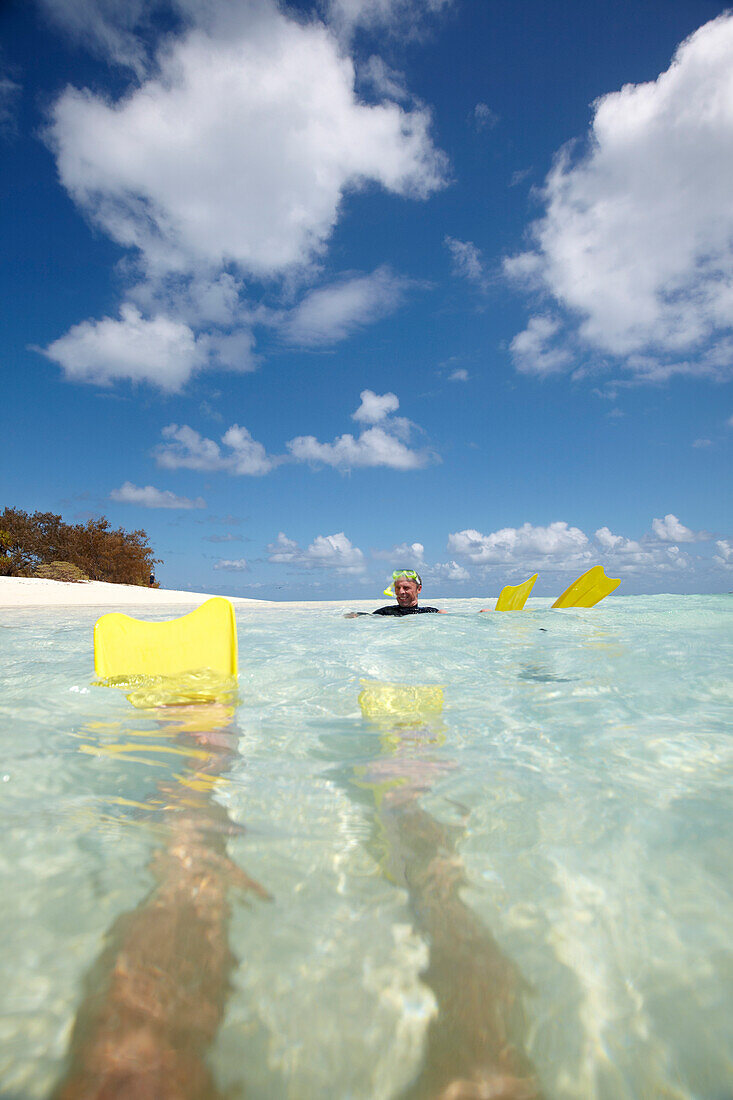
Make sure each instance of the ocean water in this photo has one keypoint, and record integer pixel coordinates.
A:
(528, 889)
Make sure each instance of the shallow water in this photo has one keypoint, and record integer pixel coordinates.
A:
(575, 791)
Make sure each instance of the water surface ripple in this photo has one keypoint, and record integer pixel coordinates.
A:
(564, 823)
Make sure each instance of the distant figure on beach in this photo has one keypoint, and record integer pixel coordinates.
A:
(407, 587)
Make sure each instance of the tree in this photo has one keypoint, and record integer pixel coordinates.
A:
(100, 551)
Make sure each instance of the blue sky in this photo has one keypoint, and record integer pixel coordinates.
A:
(312, 291)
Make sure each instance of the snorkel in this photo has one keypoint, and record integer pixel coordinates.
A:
(407, 574)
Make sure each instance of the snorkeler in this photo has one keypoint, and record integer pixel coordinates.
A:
(407, 587)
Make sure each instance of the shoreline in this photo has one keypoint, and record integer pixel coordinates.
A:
(28, 593)
(20, 592)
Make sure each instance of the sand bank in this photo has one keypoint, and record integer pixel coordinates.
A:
(33, 592)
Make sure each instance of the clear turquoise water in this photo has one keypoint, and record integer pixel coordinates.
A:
(583, 761)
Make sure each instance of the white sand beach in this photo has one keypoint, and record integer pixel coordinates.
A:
(34, 592)
(29, 592)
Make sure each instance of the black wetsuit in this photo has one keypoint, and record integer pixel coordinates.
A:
(395, 609)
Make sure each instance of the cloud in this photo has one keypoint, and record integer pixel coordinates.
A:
(375, 407)
(466, 261)
(724, 556)
(557, 543)
(325, 552)
(374, 447)
(625, 555)
(459, 375)
(201, 298)
(533, 351)
(186, 449)
(409, 554)
(149, 497)
(237, 147)
(159, 350)
(386, 82)
(223, 538)
(670, 529)
(238, 565)
(519, 176)
(105, 27)
(226, 161)
(448, 571)
(404, 16)
(635, 246)
(617, 543)
(9, 96)
(484, 118)
(700, 444)
(331, 313)
(560, 547)
(385, 443)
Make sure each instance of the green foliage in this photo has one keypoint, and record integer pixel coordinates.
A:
(60, 571)
(99, 551)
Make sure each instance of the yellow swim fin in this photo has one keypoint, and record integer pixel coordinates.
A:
(204, 639)
(513, 597)
(588, 590)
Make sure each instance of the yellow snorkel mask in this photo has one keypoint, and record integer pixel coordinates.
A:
(409, 574)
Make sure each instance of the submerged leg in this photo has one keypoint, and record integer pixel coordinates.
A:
(473, 1048)
(155, 998)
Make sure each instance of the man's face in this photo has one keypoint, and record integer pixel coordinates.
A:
(406, 592)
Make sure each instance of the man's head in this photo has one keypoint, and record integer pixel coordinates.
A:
(407, 586)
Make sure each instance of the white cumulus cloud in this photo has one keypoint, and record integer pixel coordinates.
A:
(232, 565)
(537, 350)
(385, 443)
(409, 554)
(147, 496)
(185, 448)
(724, 556)
(225, 160)
(160, 350)
(448, 571)
(375, 406)
(374, 447)
(670, 529)
(325, 552)
(557, 543)
(635, 246)
(238, 146)
(625, 555)
(617, 543)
